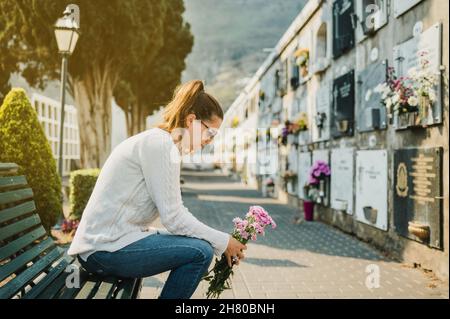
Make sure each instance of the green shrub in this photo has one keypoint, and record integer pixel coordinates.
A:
(82, 183)
(23, 141)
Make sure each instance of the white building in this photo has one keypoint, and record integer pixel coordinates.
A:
(49, 115)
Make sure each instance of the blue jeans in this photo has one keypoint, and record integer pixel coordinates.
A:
(187, 258)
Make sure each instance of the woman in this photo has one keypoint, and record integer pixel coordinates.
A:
(140, 180)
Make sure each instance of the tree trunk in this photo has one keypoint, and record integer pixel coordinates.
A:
(93, 96)
(136, 119)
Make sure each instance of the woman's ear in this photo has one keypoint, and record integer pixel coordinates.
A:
(190, 120)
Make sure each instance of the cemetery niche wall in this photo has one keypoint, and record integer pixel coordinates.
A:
(324, 186)
(342, 184)
(372, 113)
(371, 188)
(320, 128)
(343, 113)
(418, 195)
(421, 57)
(304, 166)
(402, 6)
(343, 28)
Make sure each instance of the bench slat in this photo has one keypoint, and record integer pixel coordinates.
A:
(17, 211)
(12, 181)
(16, 195)
(49, 279)
(89, 289)
(128, 289)
(21, 242)
(52, 290)
(106, 289)
(70, 293)
(22, 280)
(15, 264)
(19, 226)
(8, 167)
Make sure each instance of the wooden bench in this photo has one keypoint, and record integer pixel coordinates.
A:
(32, 266)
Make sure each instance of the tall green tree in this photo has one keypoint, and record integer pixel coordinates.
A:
(23, 141)
(149, 84)
(116, 37)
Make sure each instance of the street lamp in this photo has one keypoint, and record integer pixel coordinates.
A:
(67, 32)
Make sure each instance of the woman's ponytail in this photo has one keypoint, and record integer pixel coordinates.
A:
(190, 98)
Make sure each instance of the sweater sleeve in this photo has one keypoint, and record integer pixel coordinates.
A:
(160, 161)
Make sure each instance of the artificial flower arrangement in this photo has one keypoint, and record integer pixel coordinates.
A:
(414, 93)
(262, 95)
(285, 132)
(289, 175)
(235, 122)
(269, 182)
(302, 60)
(254, 224)
(301, 124)
(315, 188)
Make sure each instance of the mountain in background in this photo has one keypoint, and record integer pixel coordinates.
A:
(229, 38)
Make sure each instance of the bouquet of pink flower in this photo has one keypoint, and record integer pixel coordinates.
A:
(319, 170)
(254, 224)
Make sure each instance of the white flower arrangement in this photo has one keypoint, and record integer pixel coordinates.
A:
(407, 94)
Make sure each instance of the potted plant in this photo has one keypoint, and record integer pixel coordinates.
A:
(310, 192)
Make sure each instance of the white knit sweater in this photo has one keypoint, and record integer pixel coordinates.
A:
(140, 178)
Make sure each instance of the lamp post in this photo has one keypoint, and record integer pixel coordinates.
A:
(67, 32)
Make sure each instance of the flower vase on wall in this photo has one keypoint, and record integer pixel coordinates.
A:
(424, 109)
(322, 188)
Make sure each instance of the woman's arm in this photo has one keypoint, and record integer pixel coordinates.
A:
(160, 162)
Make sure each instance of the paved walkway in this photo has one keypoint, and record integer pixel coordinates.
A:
(306, 260)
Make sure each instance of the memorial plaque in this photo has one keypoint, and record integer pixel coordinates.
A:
(292, 165)
(343, 32)
(372, 113)
(402, 6)
(371, 188)
(293, 159)
(321, 118)
(342, 179)
(408, 55)
(321, 155)
(418, 195)
(267, 159)
(343, 105)
(304, 137)
(304, 166)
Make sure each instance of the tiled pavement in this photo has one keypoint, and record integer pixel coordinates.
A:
(306, 260)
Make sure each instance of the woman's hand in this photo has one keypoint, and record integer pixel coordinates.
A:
(234, 249)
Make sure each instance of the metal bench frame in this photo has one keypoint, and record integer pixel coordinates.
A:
(32, 266)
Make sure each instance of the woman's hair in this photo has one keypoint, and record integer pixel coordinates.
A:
(190, 98)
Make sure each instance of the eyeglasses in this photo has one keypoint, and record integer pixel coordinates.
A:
(212, 132)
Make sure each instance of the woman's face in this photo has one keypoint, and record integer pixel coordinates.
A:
(201, 132)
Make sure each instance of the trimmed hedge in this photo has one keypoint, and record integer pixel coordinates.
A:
(23, 141)
(82, 184)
